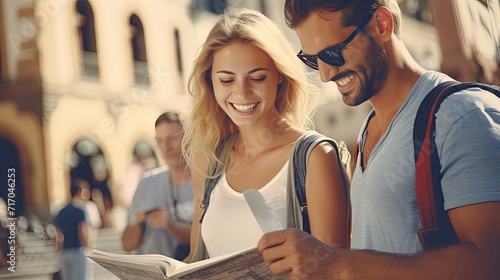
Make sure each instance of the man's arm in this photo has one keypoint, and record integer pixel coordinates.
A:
(83, 233)
(59, 239)
(300, 256)
(181, 231)
(132, 235)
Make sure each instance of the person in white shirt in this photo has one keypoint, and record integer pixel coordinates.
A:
(249, 91)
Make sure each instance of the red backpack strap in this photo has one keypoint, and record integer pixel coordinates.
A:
(437, 230)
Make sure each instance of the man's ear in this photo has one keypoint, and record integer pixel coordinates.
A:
(384, 24)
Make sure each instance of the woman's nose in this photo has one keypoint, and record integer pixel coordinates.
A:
(242, 88)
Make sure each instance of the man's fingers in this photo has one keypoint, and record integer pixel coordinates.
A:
(271, 254)
(138, 218)
(289, 265)
(158, 210)
(159, 218)
(275, 238)
(276, 251)
(161, 214)
(295, 265)
(294, 254)
(277, 260)
(270, 239)
(279, 268)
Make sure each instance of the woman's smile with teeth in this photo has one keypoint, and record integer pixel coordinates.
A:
(244, 107)
(345, 80)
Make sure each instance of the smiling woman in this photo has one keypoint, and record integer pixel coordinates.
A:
(251, 97)
(245, 88)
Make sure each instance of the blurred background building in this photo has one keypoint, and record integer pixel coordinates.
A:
(82, 81)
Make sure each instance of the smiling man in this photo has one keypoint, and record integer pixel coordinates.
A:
(159, 218)
(357, 45)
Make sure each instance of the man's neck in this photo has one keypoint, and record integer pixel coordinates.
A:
(403, 74)
(180, 174)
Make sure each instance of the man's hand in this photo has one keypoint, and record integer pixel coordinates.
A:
(296, 254)
(138, 218)
(159, 218)
(132, 235)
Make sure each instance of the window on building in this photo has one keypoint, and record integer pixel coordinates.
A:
(139, 51)
(87, 162)
(3, 57)
(178, 52)
(88, 46)
(12, 173)
(144, 154)
(217, 6)
(1, 61)
(263, 7)
(417, 9)
(214, 6)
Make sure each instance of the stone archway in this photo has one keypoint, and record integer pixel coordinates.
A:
(11, 178)
(88, 162)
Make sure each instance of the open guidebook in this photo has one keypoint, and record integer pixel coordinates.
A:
(246, 264)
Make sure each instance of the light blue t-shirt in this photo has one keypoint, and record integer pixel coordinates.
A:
(384, 205)
(154, 191)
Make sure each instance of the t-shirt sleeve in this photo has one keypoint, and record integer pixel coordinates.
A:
(470, 153)
(81, 217)
(147, 196)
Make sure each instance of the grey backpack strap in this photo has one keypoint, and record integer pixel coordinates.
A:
(223, 153)
(200, 251)
(301, 154)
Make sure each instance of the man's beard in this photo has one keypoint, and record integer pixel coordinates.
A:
(373, 74)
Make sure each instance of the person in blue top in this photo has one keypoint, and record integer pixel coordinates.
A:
(357, 45)
(72, 234)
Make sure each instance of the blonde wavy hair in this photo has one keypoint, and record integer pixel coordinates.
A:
(207, 125)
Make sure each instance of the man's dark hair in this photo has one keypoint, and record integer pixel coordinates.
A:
(77, 184)
(354, 11)
(170, 117)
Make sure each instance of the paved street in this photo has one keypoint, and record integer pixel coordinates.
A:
(37, 258)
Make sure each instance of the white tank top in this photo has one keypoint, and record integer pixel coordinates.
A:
(229, 225)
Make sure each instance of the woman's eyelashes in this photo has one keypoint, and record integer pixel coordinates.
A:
(223, 81)
(256, 79)
(259, 79)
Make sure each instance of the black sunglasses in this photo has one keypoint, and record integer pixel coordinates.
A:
(333, 55)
